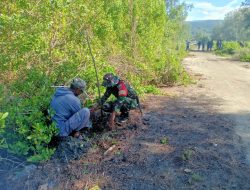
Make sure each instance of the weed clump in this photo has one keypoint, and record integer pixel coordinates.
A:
(187, 154)
(164, 140)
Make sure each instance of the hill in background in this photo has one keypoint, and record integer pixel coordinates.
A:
(203, 26)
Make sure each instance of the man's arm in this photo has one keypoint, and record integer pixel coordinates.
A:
(75, 105)
(103, 99)
(105, 96)
(111, 122)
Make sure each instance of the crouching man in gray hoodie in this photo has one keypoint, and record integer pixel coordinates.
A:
(69, 115)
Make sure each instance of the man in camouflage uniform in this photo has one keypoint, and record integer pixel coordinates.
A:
(126, 98)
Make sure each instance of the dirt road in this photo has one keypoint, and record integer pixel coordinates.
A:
(229, 81)
(195, 137)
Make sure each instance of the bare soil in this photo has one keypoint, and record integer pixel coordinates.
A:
(194, 137)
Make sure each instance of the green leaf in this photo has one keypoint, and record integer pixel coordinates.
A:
(5, 115)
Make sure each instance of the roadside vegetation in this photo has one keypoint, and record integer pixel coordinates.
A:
(236, 50)
(44, 43)
(235, 31)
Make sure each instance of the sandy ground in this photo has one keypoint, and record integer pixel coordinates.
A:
(230, 81)
(195, 137)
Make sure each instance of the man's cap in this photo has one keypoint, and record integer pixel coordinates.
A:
(78, 83)
(110, 80)
(108, 76)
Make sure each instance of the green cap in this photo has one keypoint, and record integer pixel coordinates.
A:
(78, 83)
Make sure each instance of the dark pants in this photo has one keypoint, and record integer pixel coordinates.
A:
(109, 107)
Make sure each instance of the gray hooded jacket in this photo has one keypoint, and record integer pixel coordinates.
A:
(65, 104)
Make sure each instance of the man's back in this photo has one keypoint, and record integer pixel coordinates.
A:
(65, 104)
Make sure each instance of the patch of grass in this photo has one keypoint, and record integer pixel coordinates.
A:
(96, 187)
(85, 169)
(195, 178)
(118, 153)
(95, 146)
(72, 177)
(187, 154)
(164, 140)
(106, 137)
(186, 79)
(244, 55)
(238, 52)
(114, 142)
(113, 134)
(151, 89)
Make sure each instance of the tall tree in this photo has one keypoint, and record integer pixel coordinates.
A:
(246, 3)
(236, 26)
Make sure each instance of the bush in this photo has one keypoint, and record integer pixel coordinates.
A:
(244, 55)
(27, 132)
(46, 45)
(229, 48)
(234, 48)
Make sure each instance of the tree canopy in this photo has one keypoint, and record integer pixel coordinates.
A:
(236, 26)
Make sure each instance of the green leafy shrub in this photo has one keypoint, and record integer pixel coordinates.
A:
(187, 154)
(195, 178)
(234, 48)
(151, 89)
(27, 132)
(164, 140)
(244, 55)
(44, 44)
(229, 48)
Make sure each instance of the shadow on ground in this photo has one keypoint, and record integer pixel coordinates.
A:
(183, 143)
(202, 152)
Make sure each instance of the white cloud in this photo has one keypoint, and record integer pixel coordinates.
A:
(207, 11)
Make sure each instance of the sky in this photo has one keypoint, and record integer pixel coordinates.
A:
(211, 9)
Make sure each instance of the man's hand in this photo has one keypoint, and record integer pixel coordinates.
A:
(93, 109)
(111, 122)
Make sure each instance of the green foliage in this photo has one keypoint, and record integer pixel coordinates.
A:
(234, 48)
(187, 154)
(202, 29)
(185, 78)
(235, 27)
(229, 48)
(43, 155)
(151, 89)
(244, 55)
(43, 43)
(164, 140)
(195, 178)
(3, 117)
(19, 148)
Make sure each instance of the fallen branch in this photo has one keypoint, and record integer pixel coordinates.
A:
(109, 150)
(9, 160)
(17, 163)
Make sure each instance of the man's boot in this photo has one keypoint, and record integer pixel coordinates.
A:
(123, 117)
